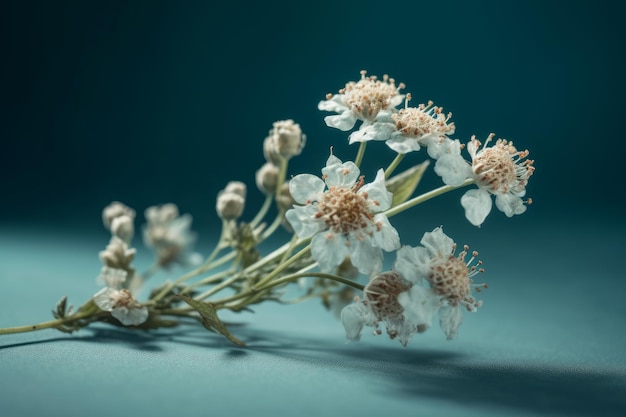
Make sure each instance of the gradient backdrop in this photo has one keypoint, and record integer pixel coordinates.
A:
(149, 102)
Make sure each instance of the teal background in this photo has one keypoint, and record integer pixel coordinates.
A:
(149, 102)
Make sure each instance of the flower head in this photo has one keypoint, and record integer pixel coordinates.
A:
(169, 235)
(447, 275)
(499, 170)
(122, 305)
(231, 201)
(343, 216)
(408, 129)
(361, 100)
(404, 308)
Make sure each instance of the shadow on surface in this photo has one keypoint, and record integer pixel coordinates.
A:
(405, 373)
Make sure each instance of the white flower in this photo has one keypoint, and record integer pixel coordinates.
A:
(409, 129)
(449, 277)
(500, 170)
(122, 305)
(170, 236)
(343, 216)
(361, 100)
(388, 298)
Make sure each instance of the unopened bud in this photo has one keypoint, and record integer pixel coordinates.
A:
(267, 178)
(285, 140)
(236, 187)
(116, 209)
(161, 214)
(229, 205)
(284, 199)
(123, 227)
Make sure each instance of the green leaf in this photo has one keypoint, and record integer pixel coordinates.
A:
(404, 184)
(209, 318)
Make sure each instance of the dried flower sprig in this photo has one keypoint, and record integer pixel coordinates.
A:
(339, 226)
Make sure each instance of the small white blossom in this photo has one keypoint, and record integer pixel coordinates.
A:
(499, 170)
(123, 227)
(343, 216)
(362, 100)
(408, 129)
(404, 308)
(170, 236)
(449, 278)
(122, 305)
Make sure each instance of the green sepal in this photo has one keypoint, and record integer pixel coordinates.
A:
(209, 318)
(404, 184)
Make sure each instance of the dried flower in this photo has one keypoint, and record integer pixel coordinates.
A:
(267, 178)
(118, 255)
(114, 210)
(170, 236)
(285, 140)
(361, 100)
(343, 216)
(500, 170)
(122, 305)
(447, 275)
(407, 130)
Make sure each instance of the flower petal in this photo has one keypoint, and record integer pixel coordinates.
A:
(366, 257)
(335, 104)
(130, 316)
(354, 317)
(329, 250)
(450, 318)
(403, 144)
(305, 187)
(303, 221)
(377, 193)
(413, 263)
(437, 243)
(104, 300)
(373, 131)
(452, 169)
(477, 205)
(344, 121)
(420, 305)
(510, 204)
(387, 237)
(342, 174)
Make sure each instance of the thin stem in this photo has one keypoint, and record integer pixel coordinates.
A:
(208, 280)
(286, 279)
(424, 197)
(394, 164)
(284, 265)
(272, 228)
(262, 211)
(360, 153)
(52, 324)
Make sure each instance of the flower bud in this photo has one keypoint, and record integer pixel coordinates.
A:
(285, 140)
(236, 187)
(284, 199)
(116, 209)
(123, 227)
(229, 205)
(161, 214)
(267, 178)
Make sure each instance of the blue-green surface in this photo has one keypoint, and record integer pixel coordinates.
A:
(547, 342)
(150, 102)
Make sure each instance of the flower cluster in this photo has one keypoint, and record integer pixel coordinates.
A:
(339, 227)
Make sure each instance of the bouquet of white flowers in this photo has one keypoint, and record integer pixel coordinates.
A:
(339, 225)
